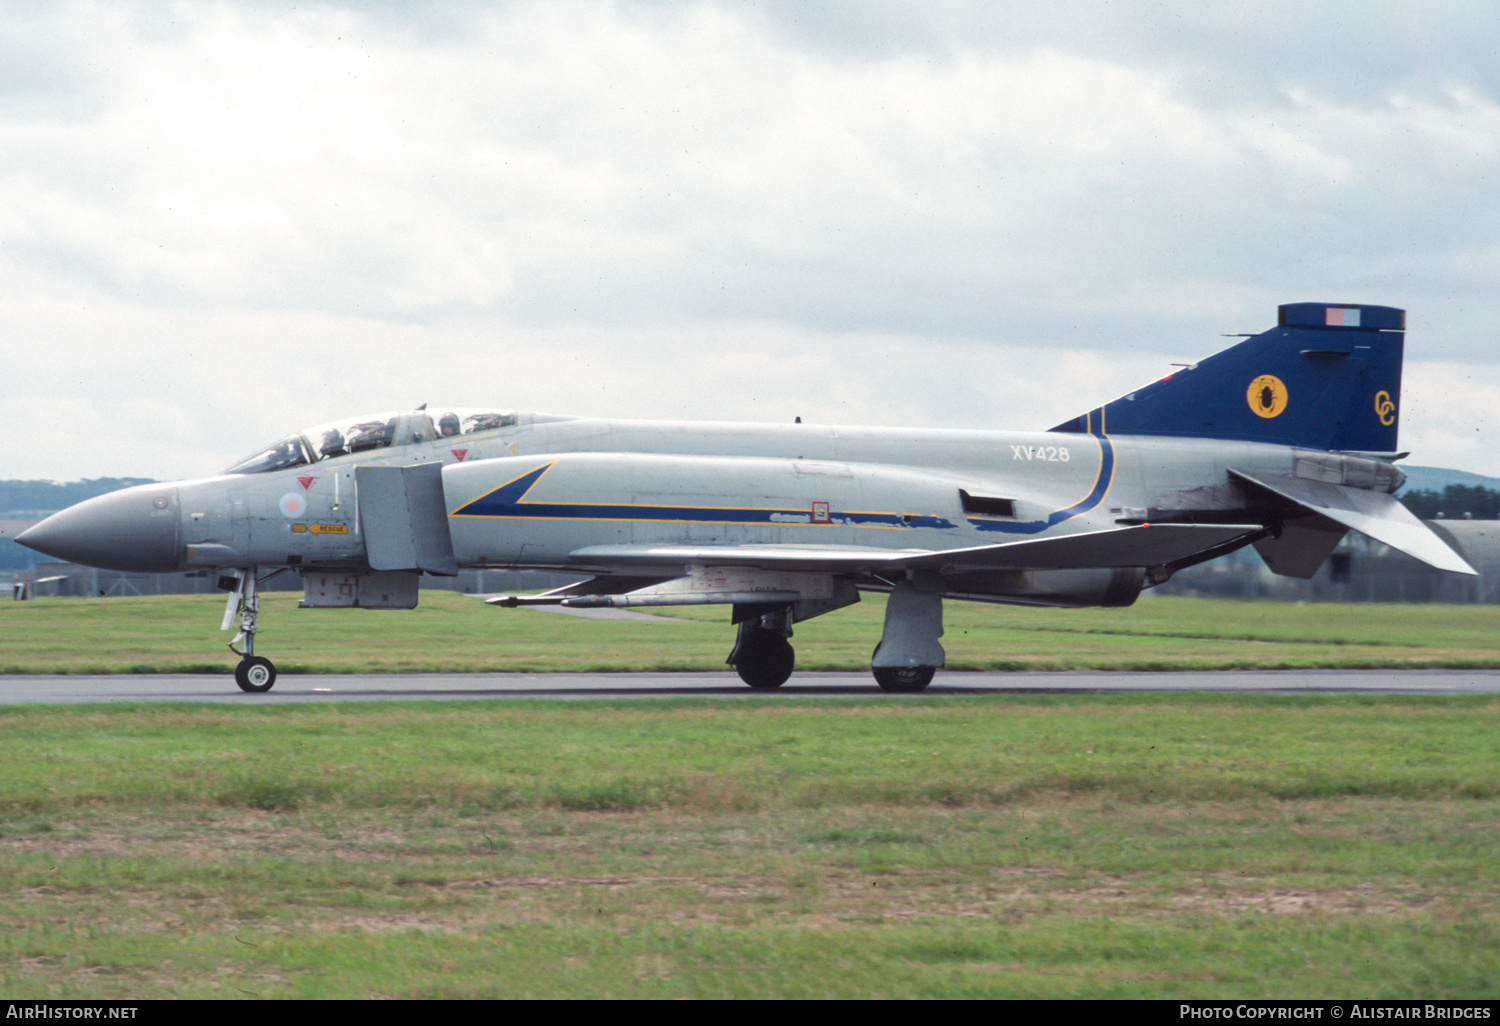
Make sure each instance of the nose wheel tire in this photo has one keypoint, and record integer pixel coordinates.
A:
(255, 673)
(903, 678)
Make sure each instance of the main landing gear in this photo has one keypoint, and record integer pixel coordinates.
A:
(909, 652)
(762, 655)
(254, 673)
(906, 659)
(903, 678)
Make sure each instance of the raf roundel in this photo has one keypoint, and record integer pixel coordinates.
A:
(1266, 396)
(293, 505)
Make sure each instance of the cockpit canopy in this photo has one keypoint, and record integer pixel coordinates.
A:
(372, 431)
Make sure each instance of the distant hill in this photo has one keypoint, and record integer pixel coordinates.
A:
(1435, 479)
(39, 498)
(33, 500)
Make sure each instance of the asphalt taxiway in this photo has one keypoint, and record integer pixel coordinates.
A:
(69, 689)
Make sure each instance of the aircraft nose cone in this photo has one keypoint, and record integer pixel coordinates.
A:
(135, 530)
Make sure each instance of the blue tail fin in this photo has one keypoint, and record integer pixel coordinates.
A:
(1326, 377)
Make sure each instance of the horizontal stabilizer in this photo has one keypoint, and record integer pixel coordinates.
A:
(1373, 514)
(1140, 545)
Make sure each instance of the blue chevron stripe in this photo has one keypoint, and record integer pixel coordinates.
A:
(1084, 505)
(509, 502)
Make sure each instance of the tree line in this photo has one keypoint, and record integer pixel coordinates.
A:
(30, 500)
(1456, 502)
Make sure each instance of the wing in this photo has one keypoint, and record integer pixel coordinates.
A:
(1138, 545)
(705, 574)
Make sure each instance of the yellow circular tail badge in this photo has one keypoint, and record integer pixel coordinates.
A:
(1266, 396)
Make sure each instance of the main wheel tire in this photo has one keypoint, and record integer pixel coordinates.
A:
(903, 678)
(255, 674)
(765, 660)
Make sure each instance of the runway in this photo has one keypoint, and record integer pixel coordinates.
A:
(68, 689)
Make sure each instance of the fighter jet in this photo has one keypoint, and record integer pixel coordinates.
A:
(1284, 441)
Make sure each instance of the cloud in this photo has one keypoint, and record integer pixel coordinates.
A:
(259, 216)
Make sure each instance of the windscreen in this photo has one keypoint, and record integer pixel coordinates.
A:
(289, 452)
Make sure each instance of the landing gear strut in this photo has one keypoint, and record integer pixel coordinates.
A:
(909, 652)
(254, 673)
(762, 656)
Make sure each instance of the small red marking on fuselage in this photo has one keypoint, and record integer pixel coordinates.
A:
(460, 453)
(306, 482)
(820, 513)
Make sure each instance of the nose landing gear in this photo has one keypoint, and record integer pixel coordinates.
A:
(254, 673)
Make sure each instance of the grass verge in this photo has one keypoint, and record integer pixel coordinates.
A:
(1204, 846)
(456, 633)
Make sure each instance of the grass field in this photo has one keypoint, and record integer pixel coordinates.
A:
(1043, 846)
(1180, 846)
(450, 632)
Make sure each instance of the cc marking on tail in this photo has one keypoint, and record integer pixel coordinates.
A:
(1385, 409)
(1266, 396)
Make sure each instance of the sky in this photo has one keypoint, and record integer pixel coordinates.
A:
(222, 222)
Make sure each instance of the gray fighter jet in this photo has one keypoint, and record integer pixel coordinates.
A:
(1284, 441)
